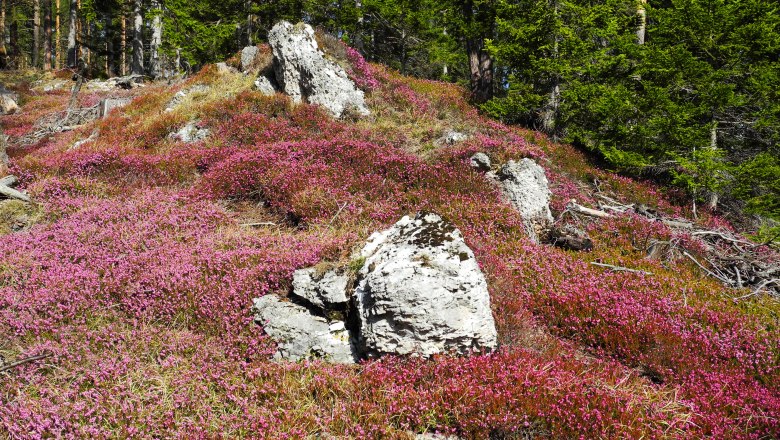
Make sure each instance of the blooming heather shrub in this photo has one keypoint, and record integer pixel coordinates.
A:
(139, 282)
(361, 72)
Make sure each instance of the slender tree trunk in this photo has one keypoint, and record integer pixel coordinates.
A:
(57, 37)
(109, 64)
(138, 45)
(712, 196)
(47, 35)
(641, 16)
(250, 29)
(155, 64)
(550, 110)
(72, 59)
(88, 44)
(13, 42)
(3, 47)
(123, 44)
(36, 32)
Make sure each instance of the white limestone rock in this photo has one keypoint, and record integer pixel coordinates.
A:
(326, 291)
(306, 75)
(248, 56)
(527, 188)
(179, 97)
(301, 335)
(421, 292)
(109, 104)
(8, 105)
(190, 133)
(264, 86)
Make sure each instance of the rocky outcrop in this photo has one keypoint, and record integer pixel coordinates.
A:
(526, 187)
(248, 56)
(326, 290)
(305, 74)
(264, 85)
(480, 162)
(421, 292)
(302, 335)
(190, 133)
(8, 103)
(109, 104)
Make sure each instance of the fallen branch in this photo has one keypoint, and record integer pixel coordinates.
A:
(575, 207)
(620, 268)
(8, 181)
(13, 194)
(760, 288)
(25, 361)
(256, 224)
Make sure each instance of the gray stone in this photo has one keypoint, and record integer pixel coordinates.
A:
(422, 292)
(527, 189)
(264, 86)
(109, 104)
(326, 291)
(453, 137)
(301, 335)
(8, 103)
(190, 133)
(248, 56)
(306, 75)
(480, 161)
(81, 142)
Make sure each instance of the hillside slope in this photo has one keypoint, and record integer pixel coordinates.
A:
(136, 266)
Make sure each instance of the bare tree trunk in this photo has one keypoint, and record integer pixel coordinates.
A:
(712, 196)
(138, 45)
(481, 68)
(36, 32)
(109, 64)
(550, 110)
(86, 46)
(72, 60)
(3, 48)
(249, 23)
(155, 64)
(641, 16)
(47, 35)
(57, 37)
(123, 44)
(358, 40)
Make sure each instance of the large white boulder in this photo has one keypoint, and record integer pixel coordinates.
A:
(421, 292)
(526, 187)
(301, 335)
(306, 75)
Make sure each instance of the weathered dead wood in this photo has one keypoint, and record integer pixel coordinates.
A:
(573, 206)
(257, 224)
(8, 181)
(26, 360)
(620, 268)
(13, 194)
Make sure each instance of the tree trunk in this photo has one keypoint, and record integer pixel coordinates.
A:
(155, 64)
(358, 39)
(109, 65)
(57, 37)
(72, 59)
(550, 110)
(641, 17)
(249, 23)
(123, 45)
(36, 32)
(47, 35)
(13, 42)
(3, 48)
(712, 196)
(138, 45)
(481, 69)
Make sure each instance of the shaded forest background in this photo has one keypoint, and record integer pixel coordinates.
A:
(681, 91)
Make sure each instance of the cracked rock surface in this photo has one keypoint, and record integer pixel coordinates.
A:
(422, 292)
